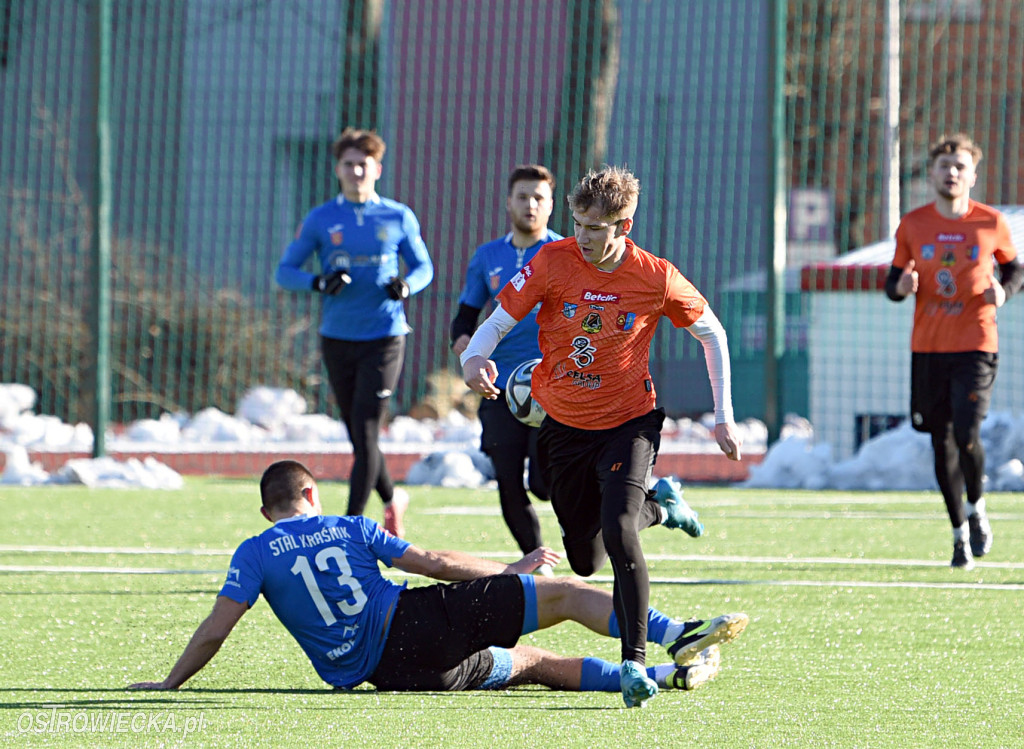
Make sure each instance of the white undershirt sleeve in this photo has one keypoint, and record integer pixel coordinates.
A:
(486, 338)
(709, 331)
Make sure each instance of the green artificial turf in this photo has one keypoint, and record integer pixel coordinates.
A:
(860, 634)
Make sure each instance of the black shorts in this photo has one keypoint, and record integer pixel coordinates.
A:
(440, 634)
(501, 430)
(363, 374)
(581, 465)
(948, 386)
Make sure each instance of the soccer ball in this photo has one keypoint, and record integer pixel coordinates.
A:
(519, 395)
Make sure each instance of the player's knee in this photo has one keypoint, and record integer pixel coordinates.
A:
(619, 534)
(583, 565)
(538, 489)
(968, 438)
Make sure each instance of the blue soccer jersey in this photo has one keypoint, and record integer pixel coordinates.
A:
(490, 268)
(366, 240)
(321, 577)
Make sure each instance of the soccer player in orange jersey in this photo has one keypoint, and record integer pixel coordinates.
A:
(601, 298)
(946, 255)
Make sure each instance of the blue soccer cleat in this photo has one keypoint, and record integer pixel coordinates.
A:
(669, 494)
(636, 686)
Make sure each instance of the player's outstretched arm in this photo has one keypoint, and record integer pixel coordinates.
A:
(456, 565)
(205, 643)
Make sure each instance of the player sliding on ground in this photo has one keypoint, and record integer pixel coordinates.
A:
(321, 577)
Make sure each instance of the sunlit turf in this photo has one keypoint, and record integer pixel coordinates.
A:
(861, 636)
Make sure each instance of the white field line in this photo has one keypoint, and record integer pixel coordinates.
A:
(694, 558)
(748, 512)
(76, 570)
(138, 550)
(835, 561)
(823, 583)
(690, 558)
(595, 579)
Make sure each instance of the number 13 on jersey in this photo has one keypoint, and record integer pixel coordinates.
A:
(350, 607)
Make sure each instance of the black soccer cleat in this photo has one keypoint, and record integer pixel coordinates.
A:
(981, 534)
(699, 634)
(701, 670)
(963, 559)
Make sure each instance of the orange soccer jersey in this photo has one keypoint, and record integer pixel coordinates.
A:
(596, 329)
(955, 261)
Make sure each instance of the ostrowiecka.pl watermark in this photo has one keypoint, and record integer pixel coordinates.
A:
(65, 720)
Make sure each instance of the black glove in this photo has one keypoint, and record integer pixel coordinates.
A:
(331, 283)
(397, 289)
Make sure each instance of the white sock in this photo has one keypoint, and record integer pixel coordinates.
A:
(960, 534)
(672, 631)
(661, 674)
(976, 508)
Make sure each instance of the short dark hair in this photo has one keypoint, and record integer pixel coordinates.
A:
(282, 484)
(532, 173)
(615, 190)
(952, 144)
(366, 141)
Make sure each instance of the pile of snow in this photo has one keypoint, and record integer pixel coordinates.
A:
(899, 459)
(276, 419)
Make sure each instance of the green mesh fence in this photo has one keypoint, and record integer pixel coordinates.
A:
(223, 111)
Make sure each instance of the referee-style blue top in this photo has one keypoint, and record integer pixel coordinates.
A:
(365, 239)
(490, 268)
(319, 573)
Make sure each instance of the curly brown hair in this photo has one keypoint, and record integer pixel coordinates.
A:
(952, 144)
(615, 190)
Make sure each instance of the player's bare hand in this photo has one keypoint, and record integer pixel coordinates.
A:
(480, 374)
(994, 294)
(150, 686)
(728, 440)
(908, 280)
(535, 559)
(460, 344)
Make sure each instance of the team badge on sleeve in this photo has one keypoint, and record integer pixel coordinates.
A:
(519, 278)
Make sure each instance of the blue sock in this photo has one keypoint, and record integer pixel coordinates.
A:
(599, 676)
(657, 623)
(530, 616)
(501, 669)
